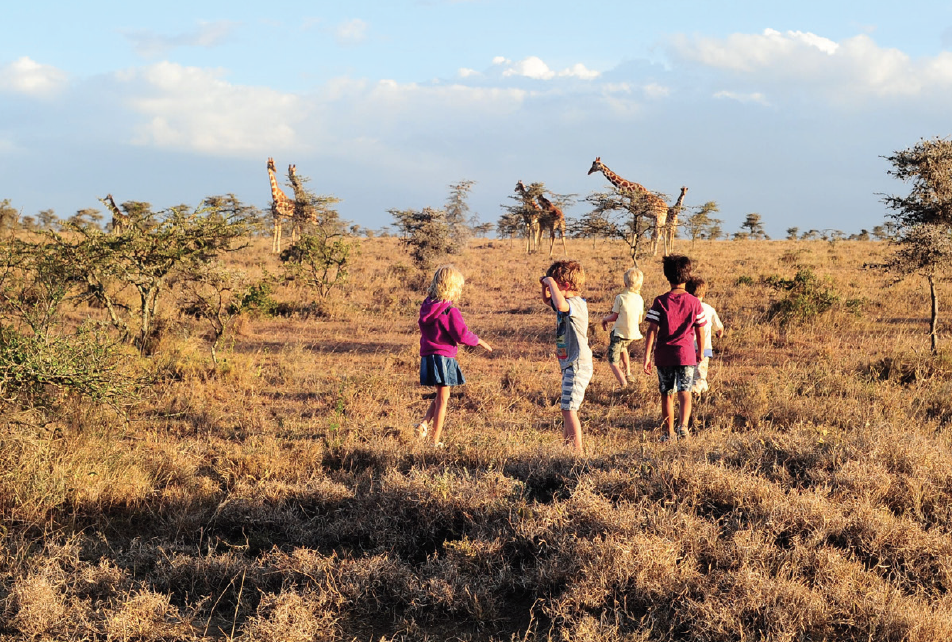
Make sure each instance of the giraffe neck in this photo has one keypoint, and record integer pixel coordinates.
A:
(620, 182)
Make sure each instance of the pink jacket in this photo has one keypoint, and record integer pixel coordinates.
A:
(442, 328)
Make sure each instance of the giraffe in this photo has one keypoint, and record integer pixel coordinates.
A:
(530, 214)
(655, 206)
(303, 210)
(552, 219)
(119, 218)
(673, 212)
(282, 208)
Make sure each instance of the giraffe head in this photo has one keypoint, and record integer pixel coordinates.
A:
(271, 167)
(521, 187)
(292, 170)
(597, 165)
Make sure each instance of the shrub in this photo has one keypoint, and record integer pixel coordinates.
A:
(807, 298)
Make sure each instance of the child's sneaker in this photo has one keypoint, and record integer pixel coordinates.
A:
(683, 432)
(421, 430)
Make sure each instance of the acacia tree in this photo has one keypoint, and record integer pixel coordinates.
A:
(754, 226)
(923, 217)
(701, 225)
(626, 216)
(145, 254)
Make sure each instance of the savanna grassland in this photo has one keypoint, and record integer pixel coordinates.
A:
(284, 496)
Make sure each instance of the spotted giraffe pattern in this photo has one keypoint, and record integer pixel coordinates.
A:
(656, 208)
(672, 224)
(304, 212)
(552, 219)
(530, 215)
(119, 218)
(282, 208)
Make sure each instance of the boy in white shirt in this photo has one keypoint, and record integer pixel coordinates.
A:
(698, 287)
(627, 312)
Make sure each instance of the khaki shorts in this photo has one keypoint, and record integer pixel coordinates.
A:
(615, 348)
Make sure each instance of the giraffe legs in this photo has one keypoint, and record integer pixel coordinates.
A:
(276, 239)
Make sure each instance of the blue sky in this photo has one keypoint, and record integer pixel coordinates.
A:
(784, 111)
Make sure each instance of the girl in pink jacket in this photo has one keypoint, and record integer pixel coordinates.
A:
(442, 329)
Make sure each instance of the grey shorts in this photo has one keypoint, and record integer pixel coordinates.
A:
(671, 378)
(575, 380)
(616, 346)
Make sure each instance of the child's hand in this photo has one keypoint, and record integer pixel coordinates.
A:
(604, 324)
(485, 346)
(647, 367)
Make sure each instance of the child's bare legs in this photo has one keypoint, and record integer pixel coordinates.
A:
(684, 407)
(572, 429)
(667, 413)
(626, 361)
(436, 414)
(616, 370)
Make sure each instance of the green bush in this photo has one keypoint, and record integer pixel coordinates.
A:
(807, 297)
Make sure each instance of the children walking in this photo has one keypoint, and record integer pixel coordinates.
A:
(627, 311)
(675, 321)
(698, 287)
(561, 289)
(442, 329)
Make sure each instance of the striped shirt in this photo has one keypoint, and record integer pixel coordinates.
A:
(676, 314)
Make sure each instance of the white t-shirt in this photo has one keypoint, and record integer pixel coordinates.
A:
(631, 309)
(713, 324)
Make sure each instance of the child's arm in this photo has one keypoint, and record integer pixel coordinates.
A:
(650, 337)
(484, 345)
(546, 295)
(717, 325)
(699, 343)
(609, 318)
(557, 298)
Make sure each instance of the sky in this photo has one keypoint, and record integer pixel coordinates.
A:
(785, 111)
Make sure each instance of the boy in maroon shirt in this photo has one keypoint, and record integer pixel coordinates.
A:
(674, 333)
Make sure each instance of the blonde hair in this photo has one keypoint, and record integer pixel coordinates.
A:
(634, 278)
(569, 273)
(447, 284)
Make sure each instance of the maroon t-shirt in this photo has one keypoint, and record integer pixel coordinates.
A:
(676, 313)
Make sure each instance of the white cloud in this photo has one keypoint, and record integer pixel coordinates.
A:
(578, 70)
(350, 33)
(149, 44)
(797, 62)
(192, 108)
(531, 67)
(535, 68)
(26, 76)
(467, 73)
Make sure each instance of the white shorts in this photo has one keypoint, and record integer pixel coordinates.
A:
(575, 380)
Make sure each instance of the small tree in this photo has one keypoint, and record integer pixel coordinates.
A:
(701, 224)
(457, 210)
(509, 225)
(426, 233)
(792, 233)
(923, 217)
(754, 227)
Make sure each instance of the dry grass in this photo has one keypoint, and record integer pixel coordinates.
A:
(284, 496)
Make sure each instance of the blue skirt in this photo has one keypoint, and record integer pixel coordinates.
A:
(437, 370)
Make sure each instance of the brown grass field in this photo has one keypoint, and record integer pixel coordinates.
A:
(285, 497)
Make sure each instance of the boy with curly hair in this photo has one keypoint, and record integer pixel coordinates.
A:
(561, 289)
